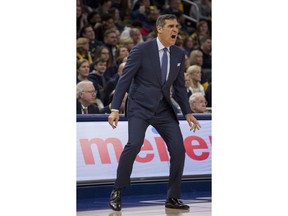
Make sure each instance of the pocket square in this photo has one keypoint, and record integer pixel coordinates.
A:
(178, 64)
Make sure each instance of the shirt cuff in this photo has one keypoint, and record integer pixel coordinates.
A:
(114, 110)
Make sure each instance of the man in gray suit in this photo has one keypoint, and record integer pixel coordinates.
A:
(151, 69)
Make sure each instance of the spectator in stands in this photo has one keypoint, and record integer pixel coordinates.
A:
(202, 30)
(111, 85)
(90, 3)
(127, 42)
(88, 32)
(94, 19)
(125, 7)
(208, 95)
(175, 104)
(188, 45)
(82, 70)
(179, 42)
(204, 10)
(122, 52)
(198, 103)
(86, 95)
(116, 17)
(136, 36)
(151, 35)
(104, 6)
(107, 22)
(81, 18)
(205, 48)
(123, 105)
(140, 10)
(103, 52)
(83, 50)
(148, 25)
(126, 32)
(188, 83)
(187, 62)
(111, 42)
(194, 71)
(196, 58)
(174, 8)
(97, 77)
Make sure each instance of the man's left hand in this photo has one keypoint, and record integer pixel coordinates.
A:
(192, 121)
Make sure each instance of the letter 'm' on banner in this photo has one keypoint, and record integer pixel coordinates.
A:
(86, 146)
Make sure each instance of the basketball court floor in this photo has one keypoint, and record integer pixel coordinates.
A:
(144, 200)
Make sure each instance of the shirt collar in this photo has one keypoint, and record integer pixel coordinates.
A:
(161, 46)
(83, 107)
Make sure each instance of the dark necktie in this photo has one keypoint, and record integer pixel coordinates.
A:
(164, 65)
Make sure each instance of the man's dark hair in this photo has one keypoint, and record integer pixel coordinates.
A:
(162, 18)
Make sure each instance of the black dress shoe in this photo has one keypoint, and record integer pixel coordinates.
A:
(176, 204)
(115, 200)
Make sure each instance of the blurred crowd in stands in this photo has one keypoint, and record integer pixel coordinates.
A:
(108, 29)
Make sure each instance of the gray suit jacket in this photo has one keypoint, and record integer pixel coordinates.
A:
(142, 78)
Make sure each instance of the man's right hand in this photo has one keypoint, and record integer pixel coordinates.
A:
(113, 119)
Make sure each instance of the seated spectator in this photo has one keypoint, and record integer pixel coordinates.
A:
(111, 42)
(204, 10)
(136, 35)
(188, 82)
(104, 6)
(141, 10)
(107, 22)
(82, 70)
(97, 77)
(88, 32)
(205, 48)
(176, 106)
(103, 53)
(126, 41)
(201, 31)
(196, 57)
(194, 71)
(149, 23)
(129, 26)
(111, 85)
(121, 53)
(116, 17)
(123, 106)
(94, 18)
(188, 45)
(208, 95)
(198, 103)
(86, 94)
(83, 49)
(81, 19)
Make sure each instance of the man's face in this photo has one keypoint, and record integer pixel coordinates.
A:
(90, 33)
(111, 39)
(199, 106)
(88, 95)
(168, 33)
(101, 67)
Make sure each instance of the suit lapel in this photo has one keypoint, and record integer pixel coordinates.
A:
(173, 63)
(156, 64)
